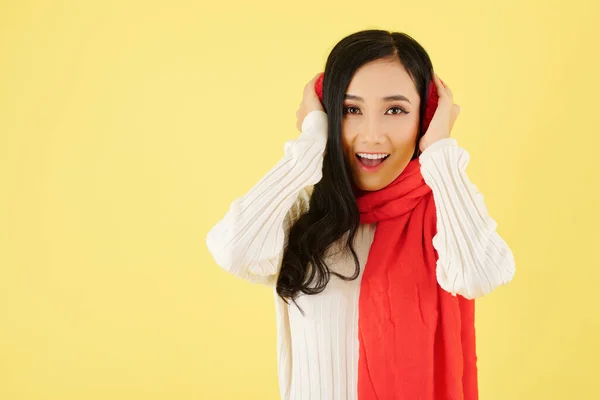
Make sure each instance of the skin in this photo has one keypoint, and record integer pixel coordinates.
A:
(372, 124)
(310, 102)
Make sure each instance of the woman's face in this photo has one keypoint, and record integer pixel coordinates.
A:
(381, 119)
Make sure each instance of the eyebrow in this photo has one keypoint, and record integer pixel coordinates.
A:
(387, 98)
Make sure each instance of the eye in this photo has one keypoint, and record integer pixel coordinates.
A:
(348, 108)
(400, 110)
(355, 110)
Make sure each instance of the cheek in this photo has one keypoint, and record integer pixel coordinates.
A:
(347, 140)
(407, 139)
(406, 134)
(407, 123)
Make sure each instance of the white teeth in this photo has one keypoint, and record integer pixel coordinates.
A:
(372, 156)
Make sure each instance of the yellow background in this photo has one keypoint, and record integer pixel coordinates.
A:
(128, 127)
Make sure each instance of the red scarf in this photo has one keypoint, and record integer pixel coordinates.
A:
(417, 341)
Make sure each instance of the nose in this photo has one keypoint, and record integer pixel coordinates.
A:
(371, 131)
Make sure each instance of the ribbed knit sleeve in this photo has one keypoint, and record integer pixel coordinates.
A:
(250, 239)
(472, 257)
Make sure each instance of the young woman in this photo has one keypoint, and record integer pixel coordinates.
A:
(371, 234)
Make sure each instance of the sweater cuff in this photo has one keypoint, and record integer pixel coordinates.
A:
(315, 125)
(438, 145)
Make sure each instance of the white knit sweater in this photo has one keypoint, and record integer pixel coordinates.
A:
(318, 352)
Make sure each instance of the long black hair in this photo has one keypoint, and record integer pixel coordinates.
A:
(333, 213)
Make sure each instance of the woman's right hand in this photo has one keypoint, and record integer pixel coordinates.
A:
(310, 102)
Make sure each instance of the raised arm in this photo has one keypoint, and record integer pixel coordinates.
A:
(249, 240)
(472, 258)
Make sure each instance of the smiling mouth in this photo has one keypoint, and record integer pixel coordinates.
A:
(371, 160)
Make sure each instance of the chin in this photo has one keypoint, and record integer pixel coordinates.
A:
(370, 186)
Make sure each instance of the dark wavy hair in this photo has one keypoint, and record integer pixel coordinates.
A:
(333, 212)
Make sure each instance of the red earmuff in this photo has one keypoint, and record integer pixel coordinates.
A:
(319, 86)
(430, 107)
(432, 100)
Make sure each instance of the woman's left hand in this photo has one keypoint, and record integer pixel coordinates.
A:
(444, 117)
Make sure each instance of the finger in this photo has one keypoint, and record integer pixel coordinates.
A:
(445, 85)
(439, 79)
(311, 83)
(441, 90)
(454, 114)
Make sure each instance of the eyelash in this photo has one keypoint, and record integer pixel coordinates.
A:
(402, 110)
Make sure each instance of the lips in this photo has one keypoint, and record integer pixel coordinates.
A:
(370, 164)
